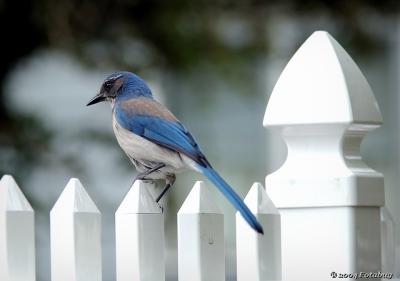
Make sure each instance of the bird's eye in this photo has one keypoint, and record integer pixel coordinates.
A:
(107, 86)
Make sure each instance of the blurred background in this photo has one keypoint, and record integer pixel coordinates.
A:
(213, 63)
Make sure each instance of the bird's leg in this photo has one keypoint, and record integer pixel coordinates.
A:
(169, 182)
(143, 175)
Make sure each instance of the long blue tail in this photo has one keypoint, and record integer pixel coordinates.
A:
(229, 193)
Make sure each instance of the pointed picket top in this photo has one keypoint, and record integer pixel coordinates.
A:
(258, 201)
(138, 200)
(199, 201)
(321, 84)
(74, 198)
(11, 196)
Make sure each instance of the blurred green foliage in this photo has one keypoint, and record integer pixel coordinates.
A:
(174, 36)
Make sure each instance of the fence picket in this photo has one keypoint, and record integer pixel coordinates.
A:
(259, 256)
(17, 234)
(201, 254)
(139, 233)
(75, 225)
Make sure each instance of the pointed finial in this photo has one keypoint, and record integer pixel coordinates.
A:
(74, 198)
(321, 84)
(258, 201)
(11, 196)
(138, 200)
(199, 200)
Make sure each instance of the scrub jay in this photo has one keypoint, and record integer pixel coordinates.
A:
(155, 141)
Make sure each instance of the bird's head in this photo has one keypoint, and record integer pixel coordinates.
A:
(121, 85)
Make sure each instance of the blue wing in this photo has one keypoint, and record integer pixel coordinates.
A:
(173, 135)
(170, 134)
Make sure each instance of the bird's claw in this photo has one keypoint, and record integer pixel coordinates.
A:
(161, 207)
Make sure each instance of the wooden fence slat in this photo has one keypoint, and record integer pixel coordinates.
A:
(259, 256)
(75, 228)
(17, 234)
(201, 253)
(139, 227)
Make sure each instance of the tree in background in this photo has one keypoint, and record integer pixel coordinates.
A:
(172, 36)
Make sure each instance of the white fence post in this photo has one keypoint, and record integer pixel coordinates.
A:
(201, 254)
(329, 200)
(75, 225)
(139, 227)
(17, 234)
(259, 256)
(388, 241)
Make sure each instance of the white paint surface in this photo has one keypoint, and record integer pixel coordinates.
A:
(17, 234)
(139, 226)
(329, 199)
(259, 256)
(75, 229)
(201, 254)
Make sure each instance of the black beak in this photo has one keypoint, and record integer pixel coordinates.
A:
(97, 98)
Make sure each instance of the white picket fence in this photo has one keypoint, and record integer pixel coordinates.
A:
(329, 201)
(139, 225)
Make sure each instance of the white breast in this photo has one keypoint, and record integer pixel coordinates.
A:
(139, 148)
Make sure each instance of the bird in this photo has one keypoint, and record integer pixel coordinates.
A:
(155, 141)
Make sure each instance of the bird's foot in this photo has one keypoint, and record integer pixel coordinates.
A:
(142, 178)
(161, 207)
(149, 181)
